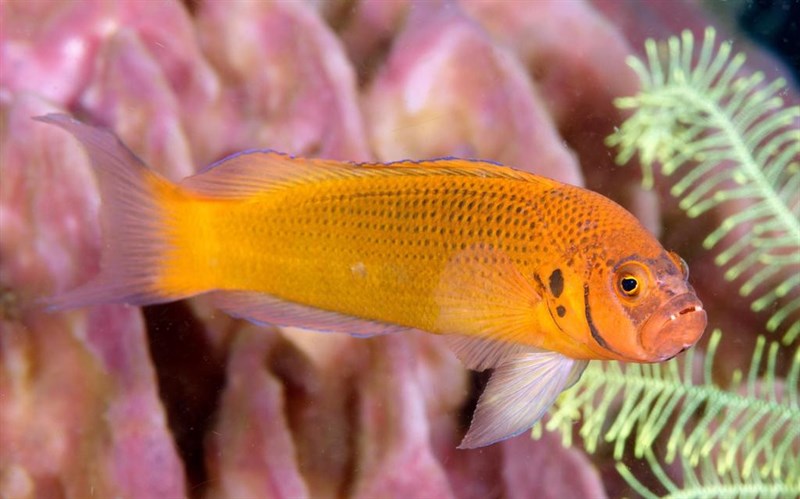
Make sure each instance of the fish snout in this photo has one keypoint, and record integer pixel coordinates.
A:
(674, 327)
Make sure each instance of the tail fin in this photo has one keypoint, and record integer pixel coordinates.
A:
(134, 223)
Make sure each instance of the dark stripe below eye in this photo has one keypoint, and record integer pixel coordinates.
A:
(595, 333)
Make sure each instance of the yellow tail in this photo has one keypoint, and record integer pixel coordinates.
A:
(139, 219)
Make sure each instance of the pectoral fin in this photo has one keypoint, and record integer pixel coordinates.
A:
(481, 293)
(518, 394)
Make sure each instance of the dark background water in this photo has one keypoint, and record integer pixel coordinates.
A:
(774, 24)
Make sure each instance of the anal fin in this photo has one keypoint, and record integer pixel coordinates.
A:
(264, 309)
(518, 394)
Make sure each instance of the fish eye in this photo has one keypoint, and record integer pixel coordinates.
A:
(629, 285)
(631, 280)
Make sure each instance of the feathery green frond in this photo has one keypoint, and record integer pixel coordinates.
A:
(744, 435)
(703, 482)
(726, 137)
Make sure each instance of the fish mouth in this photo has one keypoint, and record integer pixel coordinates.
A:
(674, 327)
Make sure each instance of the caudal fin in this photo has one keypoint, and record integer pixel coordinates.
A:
(134, 223)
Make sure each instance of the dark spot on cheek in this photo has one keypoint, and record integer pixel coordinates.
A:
(556, 283)
(561, 311)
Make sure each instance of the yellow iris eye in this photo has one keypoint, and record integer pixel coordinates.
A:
(629, 285)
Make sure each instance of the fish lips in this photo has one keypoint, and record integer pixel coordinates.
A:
(674, 327)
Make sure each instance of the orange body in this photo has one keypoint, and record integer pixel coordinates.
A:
(377, 246)
(395, 243)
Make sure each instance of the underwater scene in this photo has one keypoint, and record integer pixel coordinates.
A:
(399, 249)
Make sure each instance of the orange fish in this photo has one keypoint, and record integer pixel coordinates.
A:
(524, 275)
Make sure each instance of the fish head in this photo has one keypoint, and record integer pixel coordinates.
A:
(642, 308)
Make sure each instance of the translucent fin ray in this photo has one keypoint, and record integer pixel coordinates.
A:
(264, 309)
(518, 394)
(257, 172)
(132, 218)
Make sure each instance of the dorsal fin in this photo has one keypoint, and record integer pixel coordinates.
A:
(254, 172)
(259, 171)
